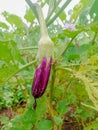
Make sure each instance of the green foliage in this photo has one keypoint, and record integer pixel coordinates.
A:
(9, 61)
(13, 19)
(82, 10)
(3, 25)
(62, 106)
(29, 16)
(44, 125)
(93, 10)
(93, 125)
(58, 120)
(74, 77)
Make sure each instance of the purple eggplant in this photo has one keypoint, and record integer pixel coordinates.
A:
(41, 78)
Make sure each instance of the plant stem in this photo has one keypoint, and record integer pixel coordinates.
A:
(26, 66)
(22, 68)
(43, 28)
(51, 111)
(93, 41)
(89, 106)
(34, 9)
(61, 68)
(28, 48)
(50, 5)
(32, 6)
(52, 84)
(50, 12)
(68, 44)
(59, 12)
(66, 47)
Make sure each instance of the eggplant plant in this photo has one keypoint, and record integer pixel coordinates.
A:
(49, 68)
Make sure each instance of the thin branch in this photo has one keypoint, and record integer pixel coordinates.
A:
(51, 110)
(93, 41)
(42, 23)
(62, 68)
(22, 68)
(32, 6)
(68, 44)
(50, 12)
(28, 48)
(50, 5)
(59, 12)
(66, 47)
(89, 106)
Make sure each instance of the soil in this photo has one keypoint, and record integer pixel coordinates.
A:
(69, 123)
(6, 112)
(11, 113)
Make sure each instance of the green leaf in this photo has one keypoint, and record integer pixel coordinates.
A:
(25, 121)
(92, 126)
(30, 116)
(70, 33)
(9, 59)
(6, 36)
(81, 10)
(62, 16)
(33, 8)
(62, 107)
(3, 25)
(58, 120)
(83, 17)
(94, 9)
(44, 125)
(1, 36)
(40, 111)
(13, 19)
(77, 10)
(74, 57)
(29, 15)
(94, 26)
(85, 11)
(4, 120)
(9, 52)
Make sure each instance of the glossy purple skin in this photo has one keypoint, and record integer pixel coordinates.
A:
(41, 78)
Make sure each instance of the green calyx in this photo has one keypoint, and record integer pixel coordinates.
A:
(45, 48)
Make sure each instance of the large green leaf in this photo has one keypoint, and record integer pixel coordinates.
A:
(9, 59)
(29, 15)
(62, 107)
(24, 121)
(13, 19)
(44, 125)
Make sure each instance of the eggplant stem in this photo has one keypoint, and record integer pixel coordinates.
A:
(35, 104)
